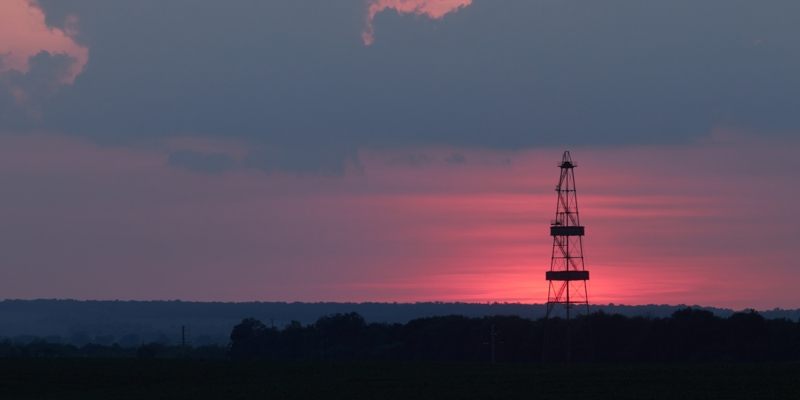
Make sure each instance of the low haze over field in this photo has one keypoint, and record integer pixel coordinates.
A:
(381, 150)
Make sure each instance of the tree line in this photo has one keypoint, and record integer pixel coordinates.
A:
(42, 348)
(688, 335)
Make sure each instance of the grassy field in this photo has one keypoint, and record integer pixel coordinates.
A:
(82, 378)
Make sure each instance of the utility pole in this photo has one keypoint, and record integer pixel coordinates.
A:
(183, 341)
(493, 343)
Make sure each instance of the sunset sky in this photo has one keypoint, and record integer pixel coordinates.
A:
(398, 150)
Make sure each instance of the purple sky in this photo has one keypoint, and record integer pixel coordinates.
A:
(397, 151)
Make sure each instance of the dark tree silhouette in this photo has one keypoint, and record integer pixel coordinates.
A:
(252, 339)
(689, 335)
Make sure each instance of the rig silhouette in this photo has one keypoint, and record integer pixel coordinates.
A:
(567, 294)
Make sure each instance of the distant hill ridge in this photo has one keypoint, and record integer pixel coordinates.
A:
(130, 322)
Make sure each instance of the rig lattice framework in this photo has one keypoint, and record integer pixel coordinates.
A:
(567, 275)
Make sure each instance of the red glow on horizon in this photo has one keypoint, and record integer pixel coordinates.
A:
(475, 230)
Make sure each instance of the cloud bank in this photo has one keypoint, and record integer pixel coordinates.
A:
(293, 77)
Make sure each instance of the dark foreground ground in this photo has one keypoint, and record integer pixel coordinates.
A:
(83, 378)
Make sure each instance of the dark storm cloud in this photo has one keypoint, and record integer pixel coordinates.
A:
(414, 160)
(23, 93)
(456, 158)
(208, 163)
(295, 74)
(307, 159)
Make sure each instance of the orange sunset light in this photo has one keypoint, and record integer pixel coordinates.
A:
(435, 9)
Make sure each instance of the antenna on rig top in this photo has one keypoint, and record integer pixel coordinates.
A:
(567, 296)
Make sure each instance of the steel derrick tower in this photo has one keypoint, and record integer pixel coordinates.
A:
(567, 296)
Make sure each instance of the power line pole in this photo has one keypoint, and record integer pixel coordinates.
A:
(493, 343)
(183, 341)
